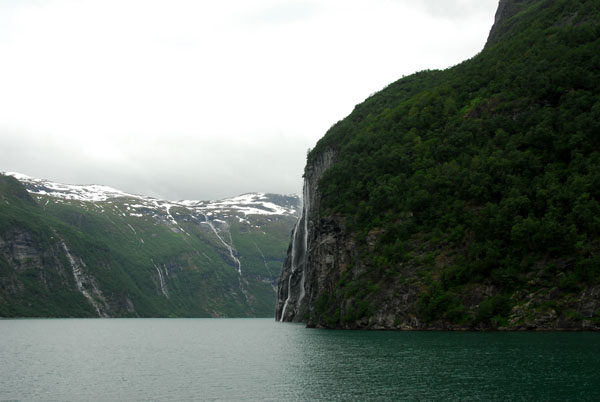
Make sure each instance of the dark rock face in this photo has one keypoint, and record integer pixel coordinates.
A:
(52, 266)
(18, 247)
(506, 10)
(295, 292)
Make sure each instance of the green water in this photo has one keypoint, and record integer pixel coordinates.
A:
(261, 360)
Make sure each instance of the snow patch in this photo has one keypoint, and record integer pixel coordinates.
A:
(240, 207)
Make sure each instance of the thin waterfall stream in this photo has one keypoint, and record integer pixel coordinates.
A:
(299, 253)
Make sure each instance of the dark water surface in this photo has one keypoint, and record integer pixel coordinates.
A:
(261, 360)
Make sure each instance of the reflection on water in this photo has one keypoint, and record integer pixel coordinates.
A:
(260, 360)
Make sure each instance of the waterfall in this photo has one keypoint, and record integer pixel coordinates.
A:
(299, 252)
(163, 283)
(81, 280)
(229, 248)
(299, 276)
(289, 286)
(305, 209)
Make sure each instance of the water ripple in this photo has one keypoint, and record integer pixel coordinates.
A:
(260, 360)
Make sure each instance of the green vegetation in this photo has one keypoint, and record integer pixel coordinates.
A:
(494, 164)
(122, 252)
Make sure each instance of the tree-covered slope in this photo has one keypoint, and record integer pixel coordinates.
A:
(474, 192)
(73, 251)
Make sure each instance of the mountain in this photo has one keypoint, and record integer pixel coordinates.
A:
(467, 198)
(88, 251)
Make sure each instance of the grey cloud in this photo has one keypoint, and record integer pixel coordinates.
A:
(132, 129)
(277, 13)
(450, 9)
(169, 168)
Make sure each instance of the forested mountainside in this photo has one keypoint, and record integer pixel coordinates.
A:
(93, 251)
(463, 198)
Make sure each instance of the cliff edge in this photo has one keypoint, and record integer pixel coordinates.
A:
(466, 198)
(502, 21)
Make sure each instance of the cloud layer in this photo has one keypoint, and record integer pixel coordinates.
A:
(204, 100)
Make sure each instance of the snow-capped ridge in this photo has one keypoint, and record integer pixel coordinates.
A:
(245, 204)
(89, 192)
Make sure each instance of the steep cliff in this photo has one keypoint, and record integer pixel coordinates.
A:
(302, 259)
(462, 199)
(503, 20)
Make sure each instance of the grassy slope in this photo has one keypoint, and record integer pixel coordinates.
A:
(121, 251)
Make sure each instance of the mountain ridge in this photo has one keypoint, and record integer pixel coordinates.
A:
(110, 253)
(466, 198)
(96, 192)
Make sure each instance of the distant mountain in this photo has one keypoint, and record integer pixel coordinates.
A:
(467, 198)
(91, 250)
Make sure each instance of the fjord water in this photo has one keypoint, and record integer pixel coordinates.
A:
(261, 360)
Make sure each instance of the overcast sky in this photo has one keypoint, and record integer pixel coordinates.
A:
(205, 99)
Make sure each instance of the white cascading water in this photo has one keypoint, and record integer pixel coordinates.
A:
(300, 230)
(80, 279)
(306, 202)
(289, 292)
(233, 257)
(229, 248)
(163, 284)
